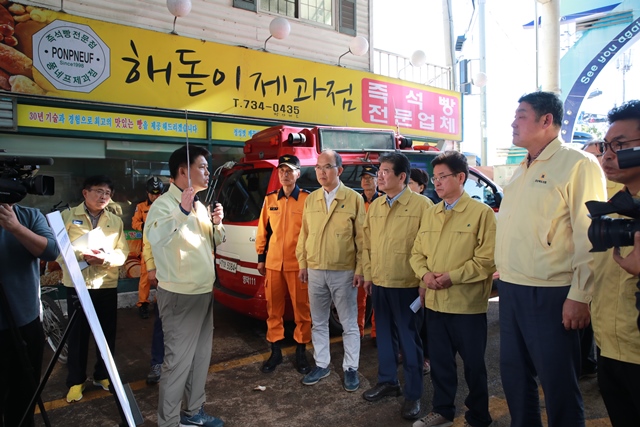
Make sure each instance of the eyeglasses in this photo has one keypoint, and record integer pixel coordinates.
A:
(385, 172)
(100, 192)
(613, 146)
(325, 168)
(435, 179)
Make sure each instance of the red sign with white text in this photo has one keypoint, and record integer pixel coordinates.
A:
(390, 104)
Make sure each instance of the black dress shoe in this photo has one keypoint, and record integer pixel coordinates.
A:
(411, 409)
(381, 390)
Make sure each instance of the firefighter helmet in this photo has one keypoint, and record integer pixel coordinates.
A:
(154, 186)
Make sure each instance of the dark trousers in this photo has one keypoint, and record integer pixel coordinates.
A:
(157, 340)
(391, 306)
(533, 342)
(588, 359)
(17, 385)
(464, 334)
(105, 302)
(620, 387)
(424, 333)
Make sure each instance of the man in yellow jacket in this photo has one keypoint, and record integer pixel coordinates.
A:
(104, 253)
(546, 277)
(329, 253)
(182, 233)
(276, 239)
(390, 228)
(453, 256)
(613, 308)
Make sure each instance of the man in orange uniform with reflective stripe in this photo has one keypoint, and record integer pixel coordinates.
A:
(276, 240)
(369, 184)
(154, 190)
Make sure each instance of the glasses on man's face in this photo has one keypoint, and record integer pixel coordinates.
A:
(435, 179)
(384, 172)
(102, 193)
(325, 168)
(613, 146)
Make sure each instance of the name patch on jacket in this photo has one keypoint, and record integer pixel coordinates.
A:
(77, 221)
(542, 179)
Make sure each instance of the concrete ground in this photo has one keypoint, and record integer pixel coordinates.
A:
(238, 352)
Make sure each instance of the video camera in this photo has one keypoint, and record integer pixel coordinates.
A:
(17, 178)
(605, 232)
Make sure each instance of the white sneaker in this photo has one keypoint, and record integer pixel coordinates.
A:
(433, 420)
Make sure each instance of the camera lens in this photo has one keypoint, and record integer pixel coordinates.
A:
(605, 232)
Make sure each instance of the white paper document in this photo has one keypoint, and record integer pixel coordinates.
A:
(415, 305)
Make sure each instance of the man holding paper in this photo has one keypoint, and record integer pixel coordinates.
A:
(182, 233)
(390, 228)
(453, 255)
(100, 246)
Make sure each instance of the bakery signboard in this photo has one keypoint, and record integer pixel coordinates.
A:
(71, 56)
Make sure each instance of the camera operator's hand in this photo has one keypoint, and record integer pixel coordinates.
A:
(33, 242)
(575, 314)
(8, 219)
(631, 263)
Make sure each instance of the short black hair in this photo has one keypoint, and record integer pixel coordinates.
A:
(545, 103)
(178, 158)
(455, 160)
(420, 176)
(400, 164)
(627, 111)
(96, 180)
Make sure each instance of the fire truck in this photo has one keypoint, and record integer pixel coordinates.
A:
(241, 189)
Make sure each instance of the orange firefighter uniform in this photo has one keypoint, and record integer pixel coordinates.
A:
(276, 240)
(137, 223)
(362, 295)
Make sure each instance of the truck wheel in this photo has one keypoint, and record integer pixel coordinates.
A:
(335, 327)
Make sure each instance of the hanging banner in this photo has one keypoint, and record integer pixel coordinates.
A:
(59, 55)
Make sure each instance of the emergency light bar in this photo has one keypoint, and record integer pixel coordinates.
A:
(356, 140)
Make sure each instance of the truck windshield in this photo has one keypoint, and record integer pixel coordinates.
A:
(242, 194)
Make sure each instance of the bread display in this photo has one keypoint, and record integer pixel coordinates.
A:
(18, 24)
